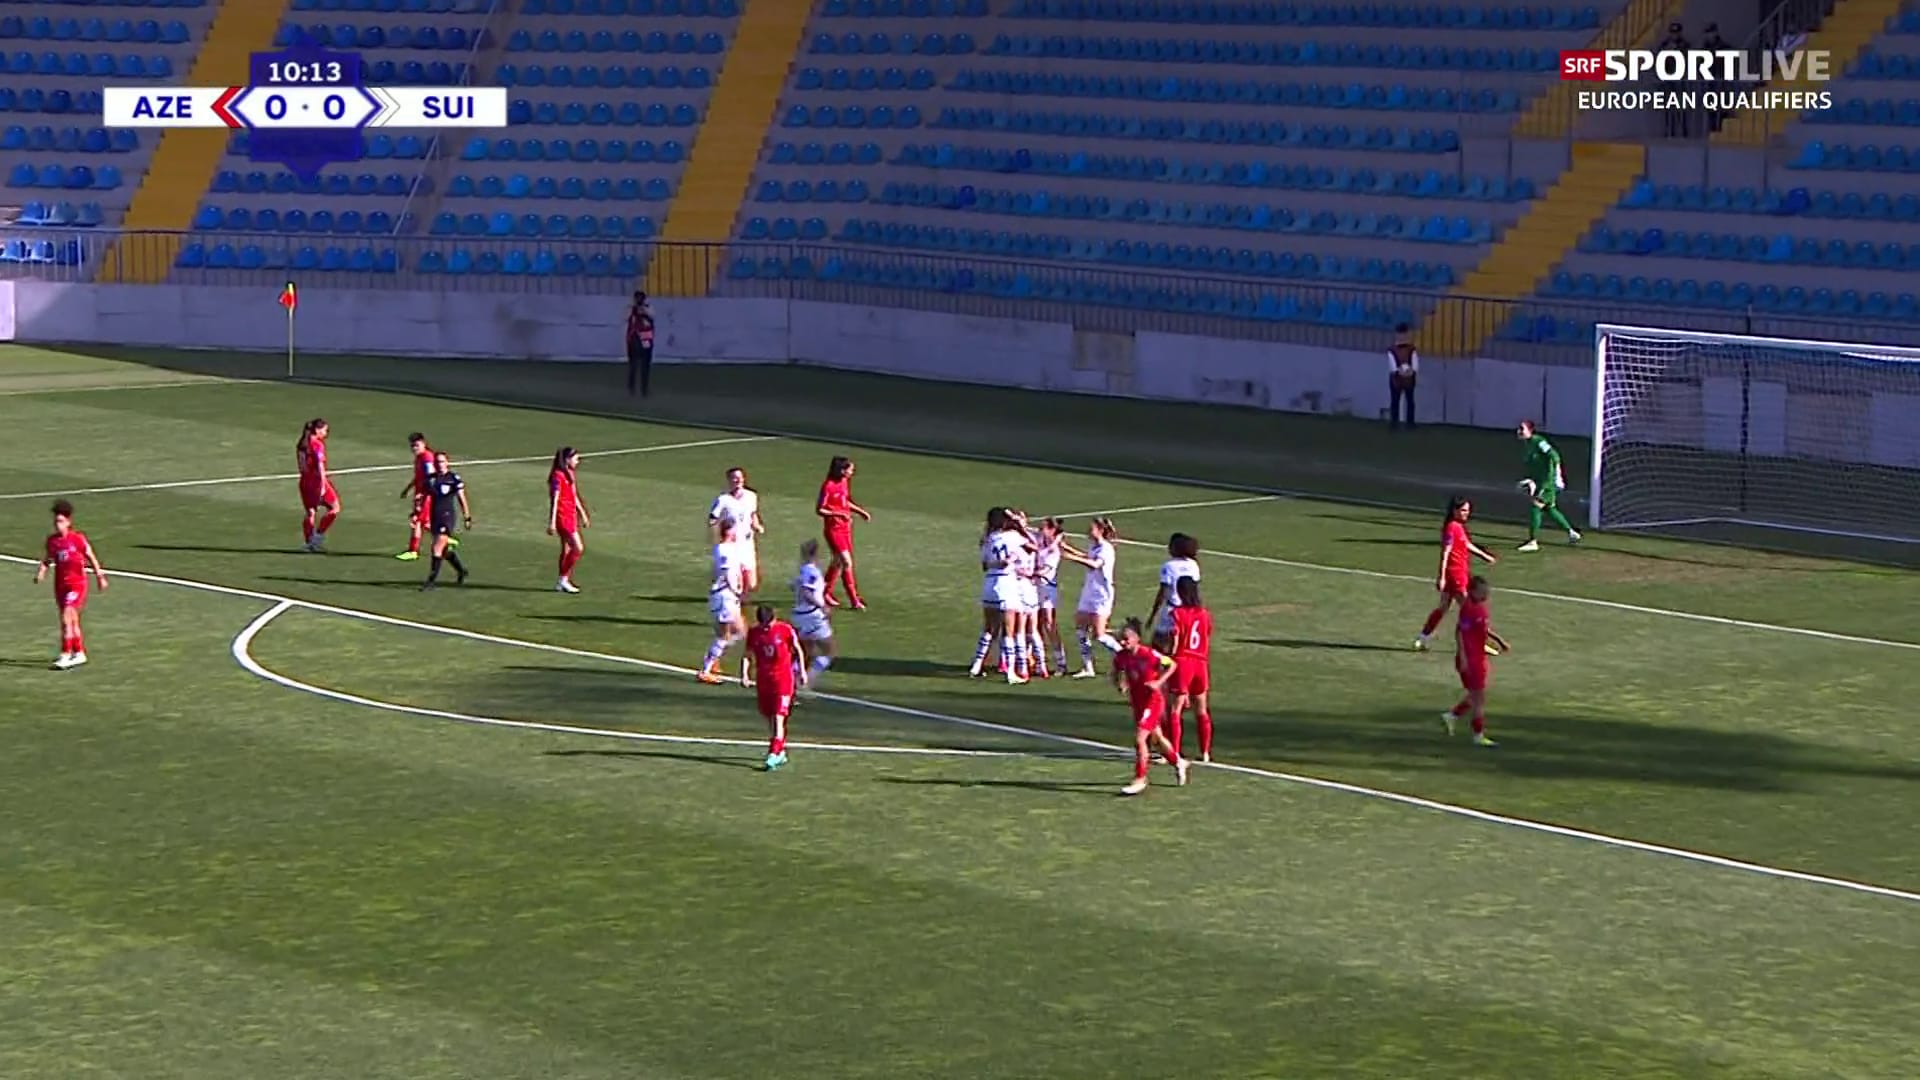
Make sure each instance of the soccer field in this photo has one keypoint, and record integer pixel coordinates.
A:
(298, 819)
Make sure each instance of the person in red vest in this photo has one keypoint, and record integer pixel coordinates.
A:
(639, 345)
(1403, 371)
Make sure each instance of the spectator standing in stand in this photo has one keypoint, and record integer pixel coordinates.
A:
(1676, 119)
(639, 345)
(1403, 371)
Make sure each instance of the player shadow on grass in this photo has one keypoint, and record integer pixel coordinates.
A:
(412, 583)
(742, 762)
(1103, 788)
(886, 665)
(619, 620)
(669, 599)
(1308, 643)
(216, 550)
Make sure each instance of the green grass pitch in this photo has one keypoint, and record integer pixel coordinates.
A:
(268, 833)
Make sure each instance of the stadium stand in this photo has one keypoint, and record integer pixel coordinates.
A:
(1332, 165)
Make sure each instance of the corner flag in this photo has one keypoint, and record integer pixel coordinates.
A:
(289, 300)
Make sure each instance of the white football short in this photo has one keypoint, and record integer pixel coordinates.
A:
(724, 605)
(812, 625)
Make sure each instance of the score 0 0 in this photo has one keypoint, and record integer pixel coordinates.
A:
(305, 107)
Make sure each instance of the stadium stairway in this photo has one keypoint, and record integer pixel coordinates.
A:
(727, 146)
(1550, 115)
(1844, 35)
(1600, 175)
(184, 161)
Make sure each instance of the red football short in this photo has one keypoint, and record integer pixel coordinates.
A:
(1149, 717)
(314, 497)
(420, 512)
(566, 525)
(776, 702)
(1473, 676)
(1457, 588)
(1189, 677)
(68, 594)
(838, 536)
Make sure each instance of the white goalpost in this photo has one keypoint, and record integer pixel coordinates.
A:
(1774, 433)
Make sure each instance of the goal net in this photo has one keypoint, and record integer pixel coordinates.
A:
(1813, 436)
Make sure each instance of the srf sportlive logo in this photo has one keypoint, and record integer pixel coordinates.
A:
(1703, 66)
(1716, 80)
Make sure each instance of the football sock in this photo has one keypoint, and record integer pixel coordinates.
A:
(1559, 518)
(833, 575)
(306, 529)
(1110, 643)
(1479, 725)
(1036, 654)
(1141, 759)
(1060, 657)
(79, 645)
(1006, 654)
(433, 571)
(1206, 734)
(67, 643)
(453, 557)
(777, 745)
(980, 654)
(1086, 648)
(821, 663)
(853, 587)
(326, 522)
(1533, 522)
(1174, 735)
(713, 654)
(1433, 621)
(1461, 709)
(413, 543)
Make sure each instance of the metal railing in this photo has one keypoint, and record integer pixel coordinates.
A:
(1091, 297)
(434, 165)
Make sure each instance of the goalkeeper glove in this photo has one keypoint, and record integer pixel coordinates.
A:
(1529, 487)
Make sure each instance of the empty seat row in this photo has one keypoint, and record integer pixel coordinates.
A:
(1289, 54)
(1430, 184)
(334, 185)
(908, 9)
(811, 230)
(517, 186)
(82, 66)
(543, 262)
(602, 114)
(1395, 97)
(384, 7)
(960, 44)
(480, 148)
(1739, 247)
(1880, 112)
(1208, 12)
(83, 215)
(1182, 129)
(406, 147)
(1873, 65)
(33, 99)
(1737, 296)
(242, 219)
(1795, 202)
(802, 191)
(364, 260)
(350, 36)
(135, 3)
(852, 116)
(71, 140)
(1868, 158)
(553, 226)
(865, 78)
(146, 31)
(415, 73)
(639, 76)
(710, 43)
(25, 175)
(694, 9)
(19, 250)
(814, 153)
(1155, 255)
(1434, 229)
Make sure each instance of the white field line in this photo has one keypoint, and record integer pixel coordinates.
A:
(211, 380)
(1151, 507)
(243, 653)
(1603, 839)
(216, 481)
(1588, 601)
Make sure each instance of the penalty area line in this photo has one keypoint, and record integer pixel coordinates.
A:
(218, 481)
(1103, 749)
(243, 655)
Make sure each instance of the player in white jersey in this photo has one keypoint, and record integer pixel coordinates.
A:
(1049, 547)
(810, 612)
(1029, 652)
(1000, 549)
(1096, 592)
(723, 603)
(1183, 555)
(741, 504)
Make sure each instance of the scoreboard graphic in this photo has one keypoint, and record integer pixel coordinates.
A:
(305, 107)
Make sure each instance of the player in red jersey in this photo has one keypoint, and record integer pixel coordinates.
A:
(1143, 673)
(69, 556)
(566, 514)
(1457, 550)
(416, 489)
(1192, 638)
(318, 500)
(837, 511)
(773, 648)
(1474, 641)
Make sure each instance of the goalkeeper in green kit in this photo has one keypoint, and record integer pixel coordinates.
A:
(1542, 485)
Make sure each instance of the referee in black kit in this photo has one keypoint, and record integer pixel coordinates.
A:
(446, 508)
